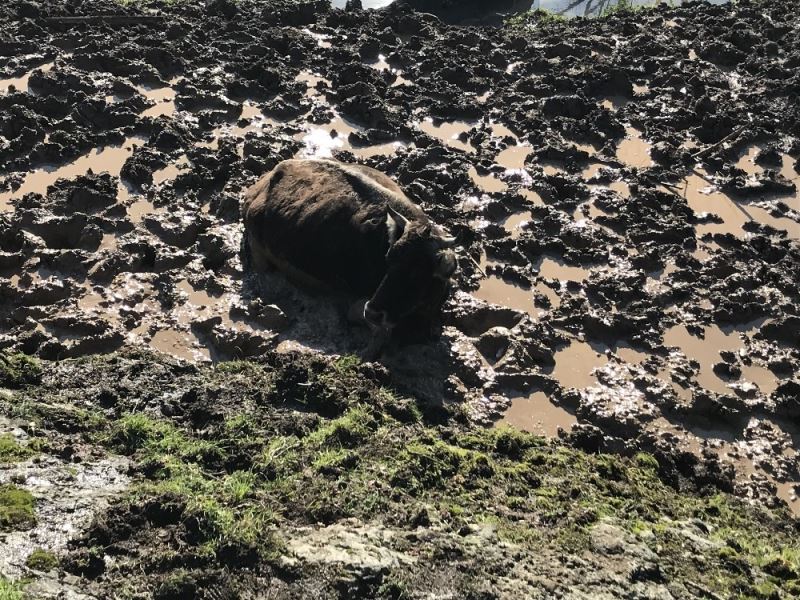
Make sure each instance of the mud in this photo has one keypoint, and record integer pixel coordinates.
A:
(629, 185)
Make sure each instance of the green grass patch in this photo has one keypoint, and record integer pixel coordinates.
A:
(16, 508)
(12, 451)
(10, 590)
(18, 370)
(42, 560)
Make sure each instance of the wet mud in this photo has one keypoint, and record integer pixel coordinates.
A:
(624, 192)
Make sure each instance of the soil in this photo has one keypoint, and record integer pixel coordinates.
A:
(624, 195)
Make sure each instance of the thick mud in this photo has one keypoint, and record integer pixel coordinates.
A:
(623, 191)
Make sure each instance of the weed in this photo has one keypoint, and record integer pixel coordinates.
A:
(16, 508)
(18, 370)
(10, 590)
(42, 560)
(11, 451)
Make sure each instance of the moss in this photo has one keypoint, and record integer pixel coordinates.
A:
(42, 560)
(16, 508)
(10, 590)
(18, 370)
(11, 451)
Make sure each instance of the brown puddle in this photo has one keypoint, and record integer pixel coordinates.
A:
(180, 344)
(257, 123)
(499, 291)
(514, 223)
(449, 132)
(633, 150)
(164, 98)
(21, 83)
(575, 363)
(108, 158)
(617, 186)
(706, 352)
(536, 414)
(321, 141)
(553, 268)
(487, 183)
(703, 197)
(172, 170)
(614, 103)
(513, 157)
(382, 65)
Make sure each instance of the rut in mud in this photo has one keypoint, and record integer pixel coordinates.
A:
(624, 192)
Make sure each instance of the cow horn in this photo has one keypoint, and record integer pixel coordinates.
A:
(447, 241)
(401, 221)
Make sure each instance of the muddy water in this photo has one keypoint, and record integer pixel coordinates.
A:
(633, 150)
(448, 132)
(703, 197)
(163, 97)
(535, 413)
(554, 268)
(180, 344)
(382, 65)
(487, 183)
(706, 352)
(575, 363)
(21, 83)
(107, 159)
(499, 291)
(172, 170)
(516, 222)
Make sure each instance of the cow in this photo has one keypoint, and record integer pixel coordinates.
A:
(330, 226)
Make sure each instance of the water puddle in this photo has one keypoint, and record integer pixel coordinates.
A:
(554, 268)
(180, 344)
(140, 208)
(321, 38)
(106, 159)
(499, 291)
(513, 157)
(618, 186)
(172, 170)
(706, 352)
(321, 141)
(575, 363)
(703, 197)
(253, 122)
(515, 222)
(449, 132)
(487, 183)
(614, 103)
(536, 414)
(633, 150)
(382, 65)
(164, 97)
(21, 83)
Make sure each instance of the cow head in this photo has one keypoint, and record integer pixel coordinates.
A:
(419, 265)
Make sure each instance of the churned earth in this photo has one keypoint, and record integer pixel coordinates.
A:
(624, 195)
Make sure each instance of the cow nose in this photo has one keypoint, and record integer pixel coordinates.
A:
(374, 317)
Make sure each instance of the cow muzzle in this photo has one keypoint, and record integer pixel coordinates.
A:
(377, 319)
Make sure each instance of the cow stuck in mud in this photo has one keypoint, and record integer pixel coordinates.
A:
(331, 226)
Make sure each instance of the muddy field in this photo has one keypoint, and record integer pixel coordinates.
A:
(624, 192)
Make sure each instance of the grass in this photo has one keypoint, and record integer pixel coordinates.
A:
(12, 451)
(42, 560)
(10, 590)
(18, 370)
(16, 508)
(312, 442)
